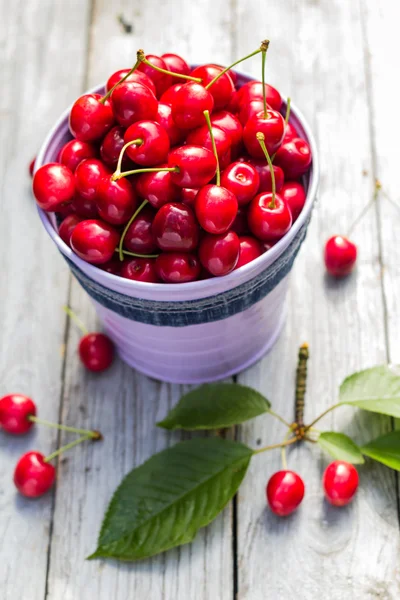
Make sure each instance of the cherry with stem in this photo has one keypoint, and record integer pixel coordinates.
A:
(261, 141)
(263, 47)
(214, 147)
(141, 58)
(120, 250)
(108, 94)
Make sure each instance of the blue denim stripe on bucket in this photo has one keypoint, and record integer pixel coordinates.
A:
(194, 312)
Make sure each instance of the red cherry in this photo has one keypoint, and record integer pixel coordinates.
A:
(221, 90)
(84, 208)
(197, 166)
(176, 64)
(240, 225)
(249, 110)
(290, 133)
(230, 124)
(67, 227)
(219, 253)
(53, 185)
(233, 107)
(295, 196)
(157, 187)
(285, 491)
(139, 236)
(216, 208)
(272, 127)
(154, 147)
(340, 256)
(188, 195)
(263, 170)
(33, 477)
(242, 180)
(201, 137)
(340, 481)
(269, 221)
(90, 119)
(112, 266)
(96, 351)
(231, 73)
(88, 175)
(178, 267)
(162, 81)
(14, 412)
(111, 147)
(66, 209)
(74, 151)
(169, 94)
(253, 91)
(175, 228)
(164, 118)
(137, 76)
(250, 249)
(94, 241)
(132, 101)
(32, 166)
(189, 104)
(294, 158)
(140, 269)
(116, 200)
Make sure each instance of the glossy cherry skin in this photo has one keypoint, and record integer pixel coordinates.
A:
(113, 266)
(139, 236)
(32, 166)
(201, 137)
(176, 64)
(221, 90)
(169, 94)
(157, 188)
(219, 253)
(67, 226)
(216, 208)
(90, 119)
(15, 410)
(188, 196)
(111, 147)
(230, 124)
(175, 228)
(74, 151)
(33, 477)
(94, 241)
(231, 72)
(160, 80)
(178, 267)
(137, 76)
(267, 222)
(253, 91)
(116, 200)
(264, 173)
(240, 225)
(197, 166)
(155, 143)
(140, 269)
(53, 185)
(273, 129)
(96, 351)
(250, 249)
(340, 256)
(249, 110)
(133, 101)
(285, 491)
(242, 180)
(294, 158)
(294, 194)
(164, 118)
(290, 133)
(340, 481)
(189, 103)
(88, 175)
(87, 209)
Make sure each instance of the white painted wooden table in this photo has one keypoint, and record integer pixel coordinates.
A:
(339, 62)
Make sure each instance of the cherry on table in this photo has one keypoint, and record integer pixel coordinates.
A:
(96, 351)
(219, 253)
(94, 241)
(176, 64)
(164, 118)
(294, 157)
(116, 200)
(201, 137)
(90, 119)
(340, 256)
(216, 208)
(264, 173)
(273, 128)
(67, 226)
(133, 101)
(294, 194)
(15, 410)
(197, 166)
(340, 482)
(33, 476)
(154, 143)
(178, 267)
(53, 186)
(88, 175)
(139, 236)
(137, 76)
(269, 219)
(175, 228)
(242, 180)
(221, 90)
(250, 249)
(285, 491)
(74, 151)
(162, 81)
(157, 187)
(140, 269)
(189, 103)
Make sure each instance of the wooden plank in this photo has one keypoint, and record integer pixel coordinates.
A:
(38, 79)
(125, 404)
(353, 552)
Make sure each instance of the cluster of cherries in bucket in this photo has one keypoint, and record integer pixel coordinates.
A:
(176, 174)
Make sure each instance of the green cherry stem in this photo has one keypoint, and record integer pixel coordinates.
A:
(214, 147)
(116, 175)
(129, 223)
(74, 317)
(263, 59)
(136, 255)
(135, 66)
(288, 103)
(292, 440)
(281, 419)
(328, 410)
(67, 447)
(138, 142)
(142, 59)
(283, 449)
(377, 189)
(261, 141)
(95, 435)
(263, 47)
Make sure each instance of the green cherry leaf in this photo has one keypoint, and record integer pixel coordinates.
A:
(215, 406)
(165, 501)
(376, 390)
(341, 447)
(385, 449)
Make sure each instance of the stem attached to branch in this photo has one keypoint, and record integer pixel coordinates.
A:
(67, 447)
(301, 385)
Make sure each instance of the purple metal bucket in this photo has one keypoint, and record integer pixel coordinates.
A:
(193, 353)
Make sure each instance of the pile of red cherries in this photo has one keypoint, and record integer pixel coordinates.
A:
(175, 174)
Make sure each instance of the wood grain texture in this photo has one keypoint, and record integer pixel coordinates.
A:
(33, 281)
(322, 552)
